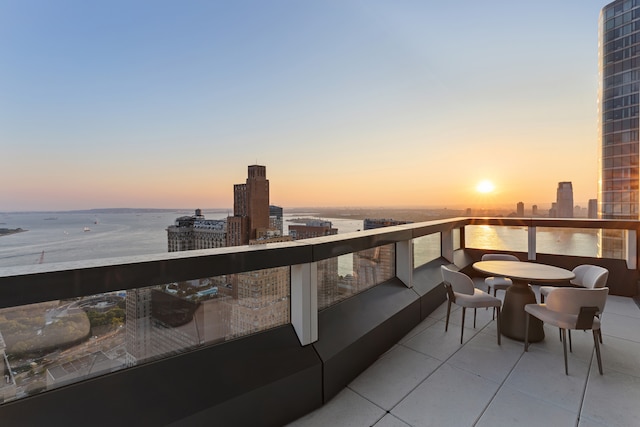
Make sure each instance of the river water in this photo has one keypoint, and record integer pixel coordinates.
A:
(73, 236)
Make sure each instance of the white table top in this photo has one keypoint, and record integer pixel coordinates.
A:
(524, 270)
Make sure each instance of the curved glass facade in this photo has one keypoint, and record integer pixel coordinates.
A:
(619, 105)
(619, 101)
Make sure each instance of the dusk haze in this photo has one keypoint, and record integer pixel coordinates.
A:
(153, 104)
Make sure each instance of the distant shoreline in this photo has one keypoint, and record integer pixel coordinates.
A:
(10, 231)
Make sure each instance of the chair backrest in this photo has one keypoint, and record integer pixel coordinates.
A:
(459, 282)
(499, 257)
(594, 277)
(569, 300)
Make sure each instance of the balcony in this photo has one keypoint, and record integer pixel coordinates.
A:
(331, 349)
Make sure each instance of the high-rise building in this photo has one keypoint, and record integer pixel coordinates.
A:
(564, 200)
(593, 209)
(534, 210)
(196, 232)
(311, 229)
(275, 218)
(250, 208)
(619, 104)
(520, 209)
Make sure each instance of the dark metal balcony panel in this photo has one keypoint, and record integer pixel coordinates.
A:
(428, 276)
(266, 379)
(26, 285)
(355, 332)
(333, 246)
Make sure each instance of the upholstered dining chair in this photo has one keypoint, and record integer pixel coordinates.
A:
(498, 283)
(570, 308)
(587, 276)
(460, 291)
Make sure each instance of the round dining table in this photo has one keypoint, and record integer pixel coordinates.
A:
(513, 316)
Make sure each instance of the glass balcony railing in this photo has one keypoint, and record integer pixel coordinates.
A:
(64, 323)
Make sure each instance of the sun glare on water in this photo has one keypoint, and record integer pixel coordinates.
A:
(485, 186)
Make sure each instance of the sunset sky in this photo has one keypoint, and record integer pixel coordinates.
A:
(164, 104)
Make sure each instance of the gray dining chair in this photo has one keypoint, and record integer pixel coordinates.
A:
(460, 291)
(567, 309)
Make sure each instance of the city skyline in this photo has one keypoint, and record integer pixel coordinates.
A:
(154, 105)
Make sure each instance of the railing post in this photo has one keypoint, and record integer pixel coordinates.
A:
(446, 244)
(304, 301)
(631, 252)
(404, 262)
(531, 245)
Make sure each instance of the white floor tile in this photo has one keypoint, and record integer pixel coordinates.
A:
(390, 421)
(513, 408)
(449, 397)
(621, 305)
(483, 356)
(393, 376)
(421, 327)
(346, 409)
(437, 343)
(541, 374)
(620, 326)
(620, 355)
(612, 399)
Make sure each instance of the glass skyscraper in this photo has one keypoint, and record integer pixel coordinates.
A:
(619, 104)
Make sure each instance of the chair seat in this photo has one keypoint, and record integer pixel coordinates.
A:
(501, 283)
(477, 300)
(555, 318)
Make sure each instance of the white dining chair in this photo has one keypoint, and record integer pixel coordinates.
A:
(460, 291)
(498, 283)
(587, 276)
(570, 308)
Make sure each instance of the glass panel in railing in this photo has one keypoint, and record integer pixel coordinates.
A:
(497, 237)
(342, 277)
(456, 239)
(567, 241)
(50, 344)
(612, 244)
(46, 345)
(425, 249)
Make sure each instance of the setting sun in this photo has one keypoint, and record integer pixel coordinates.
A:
(485, 186)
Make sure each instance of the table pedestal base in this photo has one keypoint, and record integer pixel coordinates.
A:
(513, 316)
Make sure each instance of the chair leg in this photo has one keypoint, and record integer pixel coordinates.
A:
(596, 342)
(446, 325)
(474, 317)
(570, 347)
(541, 299)
(464, 311)
(526, 332)
(498, 325)
(564, 346)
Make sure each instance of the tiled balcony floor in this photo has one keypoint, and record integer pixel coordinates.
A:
(429, 379)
